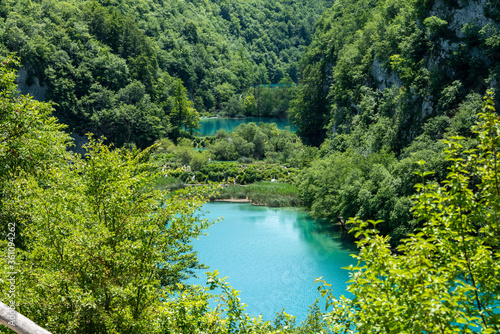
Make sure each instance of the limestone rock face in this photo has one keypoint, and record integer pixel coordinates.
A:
(469, 11)
(35, 89)
(466, 12)
(383, 77)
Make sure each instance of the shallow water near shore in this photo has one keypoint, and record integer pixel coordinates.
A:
(273, 256)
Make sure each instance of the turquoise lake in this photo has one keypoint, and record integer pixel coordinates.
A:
(273, 256)
(209, 126)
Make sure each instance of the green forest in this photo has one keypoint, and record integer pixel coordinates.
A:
(102, 172)
(125, 69)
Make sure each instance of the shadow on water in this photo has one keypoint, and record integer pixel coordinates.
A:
(274, 255)
(338, 237)
(319, 233)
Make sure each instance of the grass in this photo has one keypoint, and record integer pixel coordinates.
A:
(273, 194)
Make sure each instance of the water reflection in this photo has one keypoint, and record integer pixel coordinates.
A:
(274, 255)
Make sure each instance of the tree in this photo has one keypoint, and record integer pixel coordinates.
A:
(31, 140)
(103, 247)
(309, 109)
(102, 251)
(224, 150)
(183, 116)
(28, 135)
(233, 107)
(443, 278)
(250, 105)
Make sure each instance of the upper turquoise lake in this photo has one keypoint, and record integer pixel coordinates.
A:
(273, 256)
(209, 126)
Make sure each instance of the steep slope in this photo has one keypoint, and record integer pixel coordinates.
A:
(111, 65)
(396, 62)
(384, 81)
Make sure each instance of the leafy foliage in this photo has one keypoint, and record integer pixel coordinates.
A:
(97, 249)
(30, 142)
(183, 116)
(30, 139)
(100, 239)
(396, 62)
(259, 141)
(381, 83)
(381, 87)
(112, 67)
(445, 276)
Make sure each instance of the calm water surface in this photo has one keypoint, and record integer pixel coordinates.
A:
(273, 256)
(209, 126)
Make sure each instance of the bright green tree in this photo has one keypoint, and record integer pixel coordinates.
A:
(103, 246)
(444, 278)
(102, 251)
(250, 104)
(183, 116)
(30, 141)
(96, 247)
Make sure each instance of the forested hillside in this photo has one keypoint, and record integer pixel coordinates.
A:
(395, 64)
(92, 247)
(382, 83)
(113, 67)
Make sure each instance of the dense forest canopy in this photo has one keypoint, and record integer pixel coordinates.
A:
(394, 64)
(99, 250)
(112, 67)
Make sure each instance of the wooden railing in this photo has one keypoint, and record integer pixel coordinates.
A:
(18, 322)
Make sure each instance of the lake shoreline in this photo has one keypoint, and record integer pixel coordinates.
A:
(238, 200)
(264, 117)
(270, 194)
(210, 125)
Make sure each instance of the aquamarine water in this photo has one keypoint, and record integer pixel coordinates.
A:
(209, 126)
(273, 256)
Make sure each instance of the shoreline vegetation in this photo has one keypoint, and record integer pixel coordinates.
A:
(258, 163)
(272, 194)
(217, 116)
(232, 200)
(263, 193)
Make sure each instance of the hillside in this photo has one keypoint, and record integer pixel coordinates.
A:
(382, 83)
(111, 66)
(396, 99)
(395, 64)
